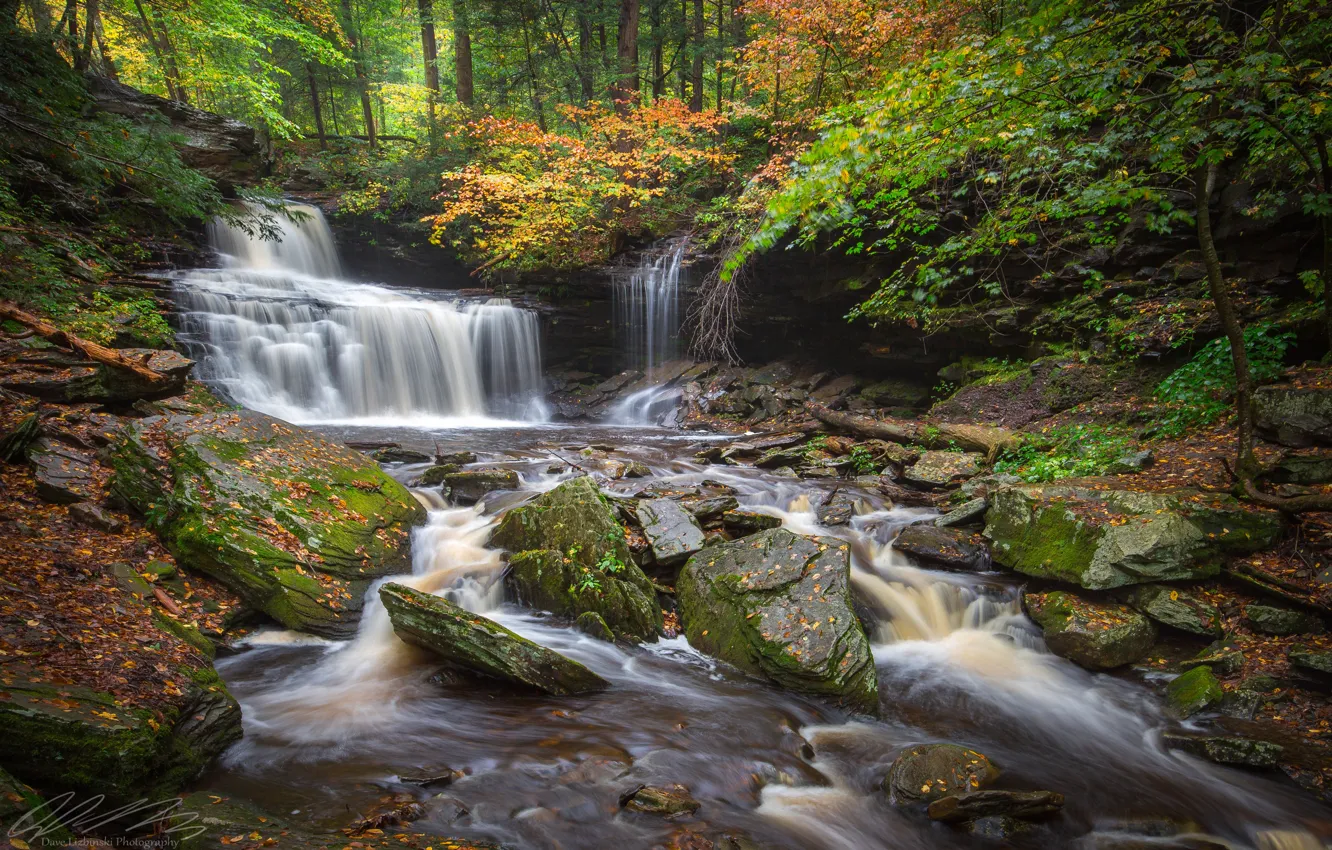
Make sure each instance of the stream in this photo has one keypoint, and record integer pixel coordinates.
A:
(331, 727)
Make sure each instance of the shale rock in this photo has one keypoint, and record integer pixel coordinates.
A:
(64, 475)
(934, 771)
(1098, 637)
(1177, 609)
(778, 605)
(580, 562)
(967, 513)
(1272, 620)
(944, 548)
(838, 508)
(1293, 416)
(67, 378)
(473, 485)
(296, 525)
(937, 470)
(672, 531)
(471, 642)
(741, 523)
(397, 454)
(1100, 539)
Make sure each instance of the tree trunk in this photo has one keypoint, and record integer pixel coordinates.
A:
(155, 42)
(462, 54)
(1204, 185)
(9, 12)
(41, 16)
(315, 105)
(108, 61)
(585, 76)
(537, 104)
(658, 50)
(1325, 172)
(90, 18)
(626, 52)
(721, 48)
(696, 70)
(358, 66)
(91, 350)
(430, 59)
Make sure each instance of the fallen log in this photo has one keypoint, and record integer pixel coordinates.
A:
(975, 438)
(864, 426)
(91, 350)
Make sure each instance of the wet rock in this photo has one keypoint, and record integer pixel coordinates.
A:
(1101, 539)
(1293, 416)
(397, 454)
(296, 525)
(64, 475)
(1226, 749)
(886, 451)
(838, 508)
(459, 458)
(1098, 637)
(471, 642)
(1177, 609)
(94, 517)
(394, 814)
(571, 557)
(774, 458)
(968, 513)
(70, 738)
(472, 485)
(983, 804)
(672, 531)
(998, 827)
(1309, 660)
(827, 472)
(1191, 692)
(900, 495)
(930, 772)
(942, 548)
(594, 625)
(432, 777)
(671, 802)
(1271, 620)
(710, 509)
(778, 605)
(937, 470)
(742, 523)
(435, 475)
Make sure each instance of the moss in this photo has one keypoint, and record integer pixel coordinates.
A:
(187, 632)
(1193, 691)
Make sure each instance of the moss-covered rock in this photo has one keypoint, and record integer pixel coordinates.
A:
(1233, 750)
(571, 556)
(937, 470)
(296, 525)
(934, 771)
(1274, 620)
(1310, 660)
(1095, 636)
(551, 581)
(779, 605)
(671, 802)
(473, 643)
(1224, 657)
(1293, 416)
(1101, 538)
(1191, 692)
(472, 485)
(68, 738)
(1177, 609)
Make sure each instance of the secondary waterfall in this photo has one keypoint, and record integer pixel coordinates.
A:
(280, 331)
(647, 328)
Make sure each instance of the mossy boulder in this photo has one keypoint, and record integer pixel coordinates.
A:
(1191, 692)
(938, 470)
(470, 642)
(472, 485)
(296, 525)
(1096, 636)
(778, 604)
(1274, 620)
(1234, 750)
(1310, 660)
(1103, 538)
(571, 556)
(69, 738)
(1176, 608)
(934, 771)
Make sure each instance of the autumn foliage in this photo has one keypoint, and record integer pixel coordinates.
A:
(539, 199)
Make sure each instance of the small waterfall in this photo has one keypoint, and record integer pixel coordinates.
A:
(280, 332)
(647, 311)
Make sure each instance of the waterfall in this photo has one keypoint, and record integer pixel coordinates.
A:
(647, 329)
(279, 331)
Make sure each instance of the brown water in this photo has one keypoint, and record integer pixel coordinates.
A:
(329, 727)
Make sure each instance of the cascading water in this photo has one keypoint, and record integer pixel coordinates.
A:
(647, 311)
(280, 332)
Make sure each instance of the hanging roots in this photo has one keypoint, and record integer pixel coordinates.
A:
(713, 319)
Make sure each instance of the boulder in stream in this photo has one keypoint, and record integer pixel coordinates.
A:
(778, 604)
(1191, 692)
(1235, 750)
(471, 642)
(945, 548)
(933, 771)
(472, 485)
(297, 525)
(1099, 538)
(671, 530)
(741, 523)
(972, 805)
(571, 557)
(1096, 636)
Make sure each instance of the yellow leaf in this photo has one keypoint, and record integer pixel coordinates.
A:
(1018, 69)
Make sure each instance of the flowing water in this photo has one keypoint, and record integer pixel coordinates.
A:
(331, 727)
(278, 330)
(647, 328)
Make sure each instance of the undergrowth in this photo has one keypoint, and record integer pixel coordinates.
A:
(1068, 451)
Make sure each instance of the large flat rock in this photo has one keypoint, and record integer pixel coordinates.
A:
(297, 525)
(471, 642)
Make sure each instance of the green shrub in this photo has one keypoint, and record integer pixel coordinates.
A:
(1202, 390)
(1070, 451)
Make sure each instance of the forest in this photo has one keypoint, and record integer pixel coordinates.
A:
(685, 424)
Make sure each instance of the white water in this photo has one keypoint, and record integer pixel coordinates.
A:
(647, 327)
(280, 331)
